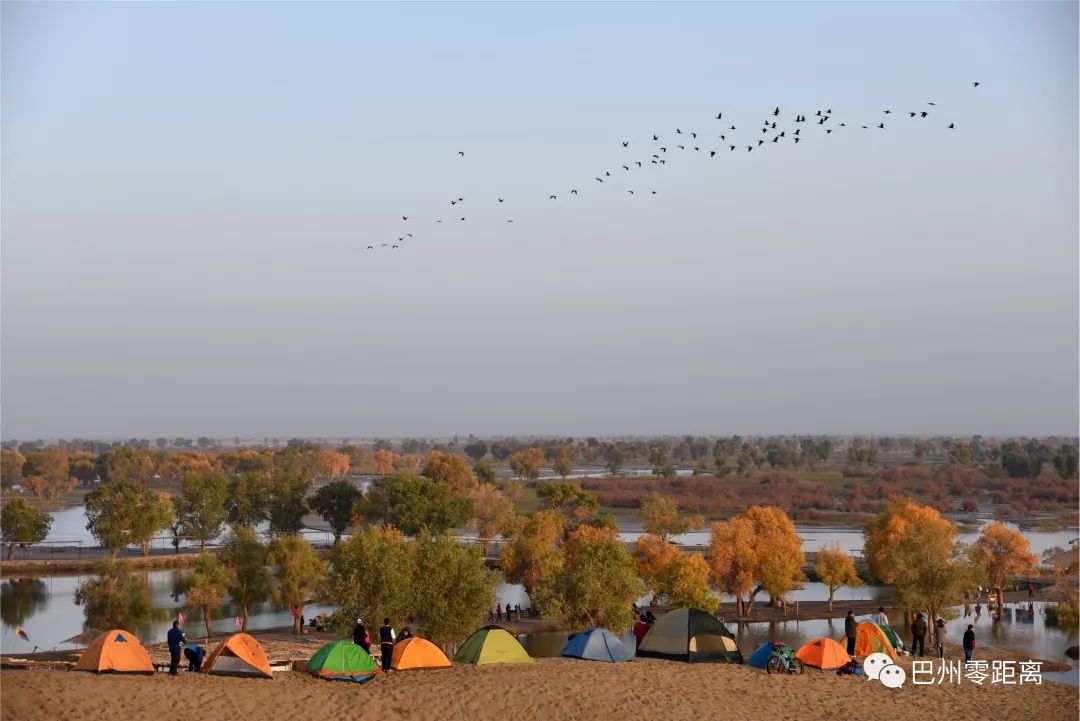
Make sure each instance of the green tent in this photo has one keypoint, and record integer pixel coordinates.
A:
(343, 661)
(690, 634)
(492, 644)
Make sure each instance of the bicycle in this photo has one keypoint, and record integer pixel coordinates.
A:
(783, 661)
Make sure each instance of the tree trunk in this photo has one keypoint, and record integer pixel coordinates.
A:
(244, 614)
(202, 545)
(206, 620)
(750, 604)
(145, 548)
(831, 592)
(113, 552)
(10, 551)
(296, 620)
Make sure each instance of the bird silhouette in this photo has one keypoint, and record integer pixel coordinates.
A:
(732, 127)
(887, 112)
(773, 126)
(952, 126)
(371, 247)
(696, 148)
(461, 200)
(663, 150)
(712, 153)
(408, 235)
(764, 130)
(461, 153)
(404, 217)
(776, 139)
(881, 125)
(509, 221)
(663, 162)
(500, 200)
(637, 163)
(975, 84)
(678, 131)
(864, 127)
(749, 148)
(625, 168)
(573, 192)
(732, 147)
(598, 180)
(821, 122)
(843, 125)
(913, 114)
(656, 137)
(453, 202)
(828, 130)
(931, 103)
(626, 144)
(681, 147)
(796, 132)
(607, 174)
(630, 191)
(760, 143)
(719, 116)
(777, 111)
(796, 140)
(463, 217)
(923, 114)
(438, 221)
(552, 197)
(722, 137)
(693, 135)
(392, 247)
(653, 192)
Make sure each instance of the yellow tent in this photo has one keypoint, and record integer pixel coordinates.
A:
(492, 644)
(870, 639)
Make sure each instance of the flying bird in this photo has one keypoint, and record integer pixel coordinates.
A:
(500, 200)
(776, 139)
(828, 130)
(681, 147)
(637, 163)
(952, 126)
(732, 127)
(371, 247)
(404, 217)
(598, 180)
(573, 192)
(392, 247)
(663, 150)
(653, 192)
(677, 130)
(630, 191)
(626, 144)
(408, 235)
(463, 218)
(975, 84)
(749, 148)
(923, 114)
(656, 137)
(796, 140)
(552, 197)
(760, 143)
(732, 147)
(931, 103)
(712, 153)
(461, 153)
(693, 135)
(509, 221)
(888, 112)
(881, 125)
(607, 174)
(719, 116)
(777, 111)
(625, 168)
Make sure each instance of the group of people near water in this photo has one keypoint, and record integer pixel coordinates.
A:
(512, 611)
(919, 629)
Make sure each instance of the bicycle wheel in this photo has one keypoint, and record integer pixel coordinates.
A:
(796, 666)
(774, 665)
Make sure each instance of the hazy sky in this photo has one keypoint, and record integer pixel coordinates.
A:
(189, 189)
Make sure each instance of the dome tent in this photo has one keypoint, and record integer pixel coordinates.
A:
(761, 655)
(690, 635)
(238, 655)
(115, 651)
(492, 644)
(598, 644)
(416, 652)
(342, 661)
(823, 653)
(869, 638)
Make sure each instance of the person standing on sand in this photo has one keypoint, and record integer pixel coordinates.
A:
(849, 631)
(176, 640)
(360, 635)
(640, 629)
(939, 638)
(918, 635)
(969, 643)
(386, 643)
(880, 618)
(498, 613)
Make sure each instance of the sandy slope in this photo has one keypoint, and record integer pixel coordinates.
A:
(550, 688)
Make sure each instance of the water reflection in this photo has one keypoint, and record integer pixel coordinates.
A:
(21, 598)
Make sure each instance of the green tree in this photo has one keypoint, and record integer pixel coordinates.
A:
(205, 588)
(249, 580)
(335, 503)
(22, 525)
(613, 459)
(126, 464)
(597, 584)
(300, 575)
(415, 503)
(1065, 461)
(661, 518)
(476, 450)
(451, 586)
(123, 513)
(200, 507)
(531, 550)
(248, 498)
(371, 574)
(835, 569)
(564, 461)
(20, 599)
(116, 597)
(285, 506)
(570, 501)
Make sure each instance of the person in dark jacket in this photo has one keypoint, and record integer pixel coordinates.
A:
(969, 643)
(918, 635)
(640, 629)
(386, 643)
(939, 637)
(195, 654)
(360, 635)
(849, 631)
(176, 639)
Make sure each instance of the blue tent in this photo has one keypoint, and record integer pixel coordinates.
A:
(598, 644)
(760, 657)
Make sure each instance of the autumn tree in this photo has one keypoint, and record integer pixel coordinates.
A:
(200, 506)
(11, 466)
(661, 517)
(82, 467)
(914, 549)
(676, 578)
(371, 574)
(1003, 554)
(385, 461)
(531, 551)
(301, 574)
(570, 501)
(526, 464)
(613, 459)
(733, 559)
(491, 510)
(174, 467)
(564, 461)
(660, 463)
(451, 586)
(244, 557)
(123, 513)
(46, 473)
(597, 584)
(450, 469)
(205, 587)
(333, 463)
(335, 502)
(761, 546)
(835, 569)
(22, 525)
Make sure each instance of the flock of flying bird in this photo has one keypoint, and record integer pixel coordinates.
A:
(688, 140)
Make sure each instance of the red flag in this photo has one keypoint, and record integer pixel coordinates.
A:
(21, 633)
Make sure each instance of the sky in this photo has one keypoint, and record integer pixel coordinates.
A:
(189, 190)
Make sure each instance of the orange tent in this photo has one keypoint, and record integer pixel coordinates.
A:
(823, 653)
(417, 652)
(116, 651)
(238, 655)
(869, 638)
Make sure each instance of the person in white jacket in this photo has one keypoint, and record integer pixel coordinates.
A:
(880, 618)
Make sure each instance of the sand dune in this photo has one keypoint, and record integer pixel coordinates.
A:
(548, 689)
